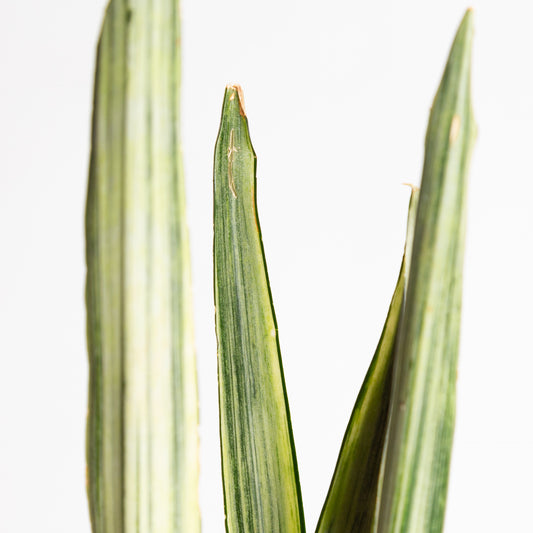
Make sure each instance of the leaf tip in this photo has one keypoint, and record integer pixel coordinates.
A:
(234, 89)
(414, 188)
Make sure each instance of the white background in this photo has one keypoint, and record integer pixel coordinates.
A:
(337, 96)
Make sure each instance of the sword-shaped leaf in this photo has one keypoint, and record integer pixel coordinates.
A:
(260, 476)
(422, 414)
(351, 501)
(142, 448)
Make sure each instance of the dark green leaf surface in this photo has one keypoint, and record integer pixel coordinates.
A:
(422, 415)
(261, 487)
(351, 501)
(142, 444)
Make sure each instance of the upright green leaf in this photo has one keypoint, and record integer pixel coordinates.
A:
(142, 448)
(351, 501)
(261, 487)
(422, 415)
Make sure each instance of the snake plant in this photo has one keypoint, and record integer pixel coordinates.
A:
(260, 476)
(392, 471)
(420, 432)
(142, 444)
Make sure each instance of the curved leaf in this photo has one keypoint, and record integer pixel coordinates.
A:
(351, 501)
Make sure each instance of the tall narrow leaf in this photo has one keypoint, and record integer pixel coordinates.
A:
(142, 425)
(351, 501)
(261, 487)
(423, 408)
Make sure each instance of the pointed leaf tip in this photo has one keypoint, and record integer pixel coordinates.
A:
(234, 92)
